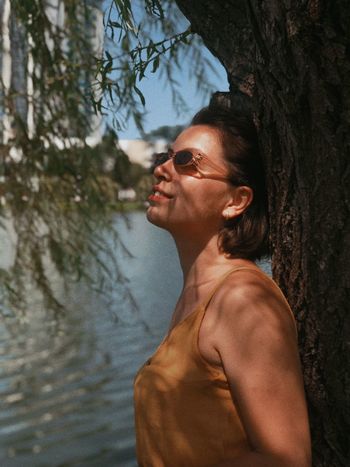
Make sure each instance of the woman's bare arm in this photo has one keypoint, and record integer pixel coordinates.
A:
(255, 337)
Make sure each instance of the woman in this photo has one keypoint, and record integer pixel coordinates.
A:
(224, 388)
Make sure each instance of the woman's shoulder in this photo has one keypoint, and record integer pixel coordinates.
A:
(247, 281)
(249, 296)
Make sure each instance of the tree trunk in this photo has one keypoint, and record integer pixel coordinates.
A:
(293, 58)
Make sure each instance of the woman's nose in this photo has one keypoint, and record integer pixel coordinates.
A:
(163, 170)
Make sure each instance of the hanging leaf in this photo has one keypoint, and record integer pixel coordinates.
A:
(141, 96)
(155, 64)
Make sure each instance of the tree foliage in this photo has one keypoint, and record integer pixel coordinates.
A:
(166, 132)
(64, 75)
(142, 39)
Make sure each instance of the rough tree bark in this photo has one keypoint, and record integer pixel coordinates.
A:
(292, 57)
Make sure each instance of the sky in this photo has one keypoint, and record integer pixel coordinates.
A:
(159, 108)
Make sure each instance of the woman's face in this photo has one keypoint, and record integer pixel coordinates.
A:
(187, 202)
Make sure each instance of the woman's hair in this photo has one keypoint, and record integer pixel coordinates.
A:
(245, 236)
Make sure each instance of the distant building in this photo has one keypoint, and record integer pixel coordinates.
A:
(126, 194)
(140, 151)
(18, 69)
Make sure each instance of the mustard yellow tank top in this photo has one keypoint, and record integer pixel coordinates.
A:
(184, 412)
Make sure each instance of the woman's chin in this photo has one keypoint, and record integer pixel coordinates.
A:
(153, 216)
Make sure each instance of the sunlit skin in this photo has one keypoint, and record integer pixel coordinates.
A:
(247, 329)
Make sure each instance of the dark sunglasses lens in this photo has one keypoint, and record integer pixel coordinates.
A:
(183, 157)
(160, 158)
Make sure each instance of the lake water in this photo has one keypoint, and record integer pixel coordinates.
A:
(66, 383)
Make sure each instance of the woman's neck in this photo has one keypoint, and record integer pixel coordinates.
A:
(202, 261)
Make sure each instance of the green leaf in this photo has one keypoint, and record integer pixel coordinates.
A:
(141, 96)
(155, 64)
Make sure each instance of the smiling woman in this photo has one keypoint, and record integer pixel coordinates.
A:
(224, 388)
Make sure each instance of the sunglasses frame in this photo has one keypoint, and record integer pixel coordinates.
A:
(197, 156)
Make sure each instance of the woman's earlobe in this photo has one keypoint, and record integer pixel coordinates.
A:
(226, 214)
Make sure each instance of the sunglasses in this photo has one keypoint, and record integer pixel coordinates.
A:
(191, 158)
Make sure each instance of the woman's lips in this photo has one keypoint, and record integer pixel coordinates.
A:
(158, 195)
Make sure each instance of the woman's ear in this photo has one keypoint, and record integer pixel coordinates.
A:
(241, 198)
